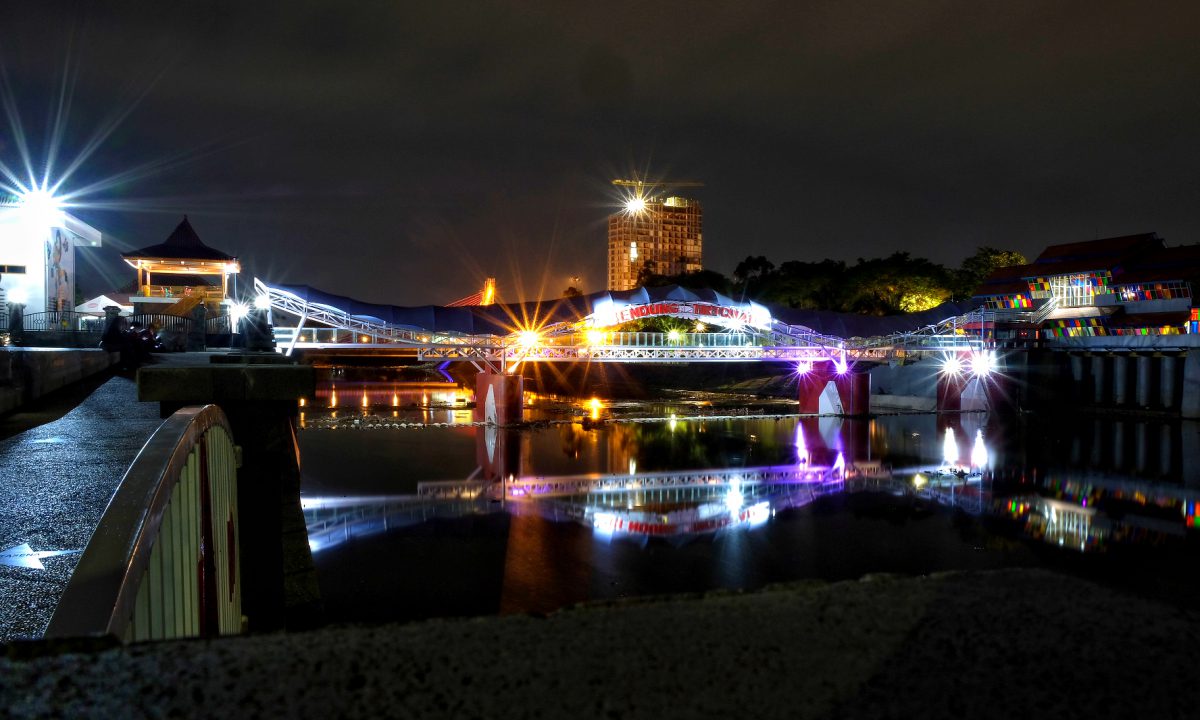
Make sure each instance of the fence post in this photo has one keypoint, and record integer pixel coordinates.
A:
(195, 336)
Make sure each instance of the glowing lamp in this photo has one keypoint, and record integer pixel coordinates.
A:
(951, 365)
(262, 302)
(39, 208)
(919, 480)
(528, 338)
(237, 311)
(595, 337)
(804, 367)
(635, 205)
(981, 364)
(674, 336)
(841, 366)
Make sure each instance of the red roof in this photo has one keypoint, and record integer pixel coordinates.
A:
(1103, 254)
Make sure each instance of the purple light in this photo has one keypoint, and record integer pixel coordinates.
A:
(841, 366)
(804, 367)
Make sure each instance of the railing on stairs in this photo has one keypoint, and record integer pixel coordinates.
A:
(164, 560)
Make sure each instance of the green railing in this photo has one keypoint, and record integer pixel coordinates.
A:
(164, 560)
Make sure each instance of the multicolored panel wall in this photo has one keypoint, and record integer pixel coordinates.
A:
(1096, 327)
(1009, 302)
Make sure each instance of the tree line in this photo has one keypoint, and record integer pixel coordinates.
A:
(879, 286)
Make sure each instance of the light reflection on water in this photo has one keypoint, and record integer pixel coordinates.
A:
(685, 503)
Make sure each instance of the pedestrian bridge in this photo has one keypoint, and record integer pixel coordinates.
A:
(593, 328)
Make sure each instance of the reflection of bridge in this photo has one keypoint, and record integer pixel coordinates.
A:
(684, 502)
(498, 339)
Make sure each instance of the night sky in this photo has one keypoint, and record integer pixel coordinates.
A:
(400, 152)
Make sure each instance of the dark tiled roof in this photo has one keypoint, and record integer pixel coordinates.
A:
(1103, 254)
(183, 244)
(1174, 263)
(1005, 281)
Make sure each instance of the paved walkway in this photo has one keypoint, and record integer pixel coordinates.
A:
(55, 481)
(1007, 644)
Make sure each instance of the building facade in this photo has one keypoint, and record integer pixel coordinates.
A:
(662, 236)
(37, 256)
(1128, 285)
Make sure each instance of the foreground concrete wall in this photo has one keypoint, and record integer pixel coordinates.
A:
(29, 373)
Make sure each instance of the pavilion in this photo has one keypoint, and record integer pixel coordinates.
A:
(181, 273)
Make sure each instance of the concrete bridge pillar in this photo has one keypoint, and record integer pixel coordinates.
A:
(499, 398)
(1144, 372)
(1120, 380)
(949, 392)
(1168, 383)
(1079, 377)
(853, 389)
(498, 452)
(1100, 393)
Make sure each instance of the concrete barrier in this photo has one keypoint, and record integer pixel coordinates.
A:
(29, 373)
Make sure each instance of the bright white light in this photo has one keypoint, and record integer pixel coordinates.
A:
(952, 365)
(237, 311)
(604, 522)
(674, 335)
(528, 338)
(673, 422)
(635, 205)
(633, 466)
(760, 317)
(979, 453)
(841, 366)
(633, 255)
(262, 302)
(17, 295)
(758, 513)
(919, 481)
(981, 364)
(804, 367)
(839, 465)
(950, 449)
(39, 208)
(734, 498)
(801, 446)
(595, 337)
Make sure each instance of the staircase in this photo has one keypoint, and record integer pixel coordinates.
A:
(184, 307)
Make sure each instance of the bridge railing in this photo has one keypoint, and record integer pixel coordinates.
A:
(163, 561)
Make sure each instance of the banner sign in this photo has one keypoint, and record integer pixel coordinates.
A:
(725, 315)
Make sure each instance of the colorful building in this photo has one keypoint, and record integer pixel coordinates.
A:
(1129, 285)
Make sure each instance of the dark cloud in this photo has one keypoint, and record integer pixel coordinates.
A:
(403, 151)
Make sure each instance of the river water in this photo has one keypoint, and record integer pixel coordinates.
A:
(415, 512)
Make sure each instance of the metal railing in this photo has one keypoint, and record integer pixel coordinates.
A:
(162, 321)
(164, 559)
(63, 321)
(218, 325)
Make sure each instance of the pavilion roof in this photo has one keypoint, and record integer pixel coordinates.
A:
(182, 244)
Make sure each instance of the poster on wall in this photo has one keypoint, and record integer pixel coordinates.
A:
(60, 271)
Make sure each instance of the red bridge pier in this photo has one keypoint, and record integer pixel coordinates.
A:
(853, 389)
(499, 398)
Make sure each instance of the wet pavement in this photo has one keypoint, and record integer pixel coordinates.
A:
(55, 481)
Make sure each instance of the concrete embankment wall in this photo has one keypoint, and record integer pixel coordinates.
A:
(1143, 374)
(29, 373)
(904, 387)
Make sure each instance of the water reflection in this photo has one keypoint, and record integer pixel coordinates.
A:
(572, 511)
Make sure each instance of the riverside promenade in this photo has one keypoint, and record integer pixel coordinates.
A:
(55, 481)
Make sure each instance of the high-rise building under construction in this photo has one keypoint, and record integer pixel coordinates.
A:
(660, 236)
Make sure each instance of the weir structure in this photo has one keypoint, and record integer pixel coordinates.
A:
(499, 339)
